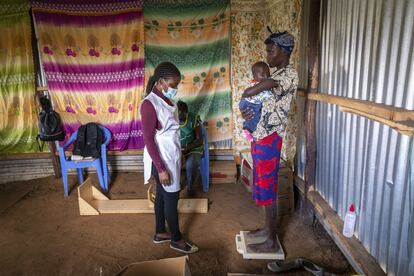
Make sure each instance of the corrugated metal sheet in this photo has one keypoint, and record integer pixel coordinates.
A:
(303, 83)
(367, 53)
(24, 169)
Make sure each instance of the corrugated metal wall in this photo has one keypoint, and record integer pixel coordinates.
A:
(367, 53)
(25, 169)
(303, 84)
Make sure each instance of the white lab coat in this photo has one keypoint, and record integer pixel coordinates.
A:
(167, 140)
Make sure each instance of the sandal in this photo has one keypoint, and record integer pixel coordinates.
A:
(157, 239)
(282, 266)
(188, 248)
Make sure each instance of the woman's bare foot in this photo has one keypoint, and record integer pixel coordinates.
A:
(267, 246)
(257, 233)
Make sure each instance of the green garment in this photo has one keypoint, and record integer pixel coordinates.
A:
(187, 132)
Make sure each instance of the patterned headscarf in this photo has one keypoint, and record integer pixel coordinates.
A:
(283, 40)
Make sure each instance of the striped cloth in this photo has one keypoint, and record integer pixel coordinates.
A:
(18, 119)
(195, 36)
(93, 58)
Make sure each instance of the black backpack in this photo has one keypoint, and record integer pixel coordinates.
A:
(50, 124)
(89, 140)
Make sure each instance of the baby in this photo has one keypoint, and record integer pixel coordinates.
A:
(260, 71)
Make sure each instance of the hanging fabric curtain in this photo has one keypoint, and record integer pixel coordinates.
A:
(248, 31)
(249, 21)
(195, 36)
(93, 58)
(18, 120)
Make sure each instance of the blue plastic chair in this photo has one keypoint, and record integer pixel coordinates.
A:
(205, 161)
(99, 163)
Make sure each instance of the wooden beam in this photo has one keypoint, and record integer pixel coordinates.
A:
(54, 155)
(397, 118)
(42, 88)
(310, 106)
(301, 92)
(352, 248)
(380, 110)
(25, 156)
(406, 128)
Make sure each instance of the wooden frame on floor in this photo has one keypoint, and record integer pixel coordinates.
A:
(93, 202)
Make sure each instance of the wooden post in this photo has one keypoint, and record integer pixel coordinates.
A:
(42, 91)
(310, 106)
(55, 159)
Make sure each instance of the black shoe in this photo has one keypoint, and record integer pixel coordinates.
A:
(187, 248)
(158, 239)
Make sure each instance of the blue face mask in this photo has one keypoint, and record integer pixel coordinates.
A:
(170, 93)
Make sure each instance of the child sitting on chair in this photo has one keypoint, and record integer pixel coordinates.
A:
(191, 143)
(260, 71)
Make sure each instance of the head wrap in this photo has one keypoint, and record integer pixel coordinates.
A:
(282, 40)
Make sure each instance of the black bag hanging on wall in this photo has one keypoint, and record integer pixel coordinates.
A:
(89, 140)
(50, 124)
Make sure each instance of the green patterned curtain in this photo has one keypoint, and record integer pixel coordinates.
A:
(18, 119)
(195, 36)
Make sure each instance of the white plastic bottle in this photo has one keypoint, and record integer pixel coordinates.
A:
(349, 222)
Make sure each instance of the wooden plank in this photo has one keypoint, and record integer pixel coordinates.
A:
(237, 159)
(85, 209)
(221, 152)
(93, 202)
(42, 88)
(301, 92)
(25, 156)
(85, 199)
(97, 195)
(55, 159)
(123, 206)
(126, 152)
(142, 206)
(171, 266)
(193, 205)
(380, 110)
(359, 258)
(223, 172)
(310, 106)
(406, 128)
(352, 248)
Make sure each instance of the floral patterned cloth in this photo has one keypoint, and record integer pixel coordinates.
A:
(249, 21)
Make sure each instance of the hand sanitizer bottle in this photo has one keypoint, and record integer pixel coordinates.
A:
(349, 222)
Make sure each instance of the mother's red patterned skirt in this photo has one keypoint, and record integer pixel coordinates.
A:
(266, 157)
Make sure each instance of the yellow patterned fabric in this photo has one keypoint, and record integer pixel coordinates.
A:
(249, 21)
(18, 119)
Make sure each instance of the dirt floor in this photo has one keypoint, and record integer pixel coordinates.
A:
(43, 233)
